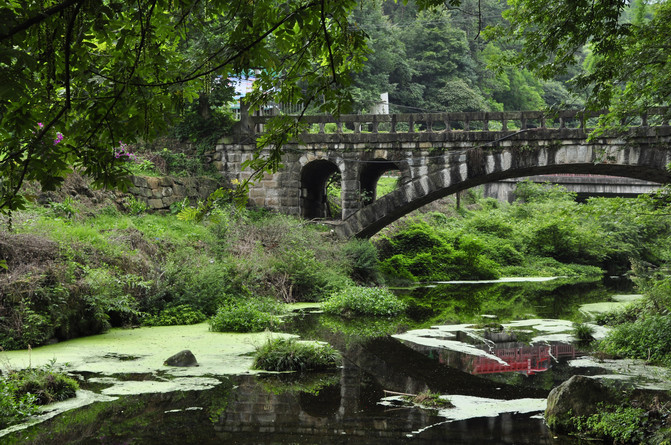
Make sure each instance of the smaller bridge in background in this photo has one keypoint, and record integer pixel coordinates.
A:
(437, 155)
(584, 186)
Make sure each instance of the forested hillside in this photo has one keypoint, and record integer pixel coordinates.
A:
(439, 60)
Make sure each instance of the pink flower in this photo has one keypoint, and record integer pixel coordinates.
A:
(59, 138)
(40, 125)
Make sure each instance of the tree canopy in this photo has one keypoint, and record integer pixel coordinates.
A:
(80, 77)
(622, 47)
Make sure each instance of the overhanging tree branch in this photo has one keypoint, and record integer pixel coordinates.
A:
(39, 18)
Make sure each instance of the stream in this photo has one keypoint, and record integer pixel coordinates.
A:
(494, 349)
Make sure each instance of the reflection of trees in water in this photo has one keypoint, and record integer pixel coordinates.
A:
(465, 303)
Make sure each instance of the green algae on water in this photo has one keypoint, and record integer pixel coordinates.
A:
(217, 353)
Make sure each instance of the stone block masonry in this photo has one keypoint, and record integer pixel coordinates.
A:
(159, 193)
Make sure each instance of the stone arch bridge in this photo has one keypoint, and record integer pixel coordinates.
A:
(436, 155)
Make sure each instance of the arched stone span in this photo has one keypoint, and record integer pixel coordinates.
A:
(468, 168)
(314, 177)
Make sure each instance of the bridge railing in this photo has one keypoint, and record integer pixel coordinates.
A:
(473, 121)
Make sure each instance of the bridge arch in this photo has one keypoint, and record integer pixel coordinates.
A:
(370, 174)
(314, 178)
(465, 169)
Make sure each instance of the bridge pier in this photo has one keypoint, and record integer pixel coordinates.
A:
(350, 186)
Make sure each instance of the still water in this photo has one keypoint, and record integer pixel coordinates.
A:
(493, 349)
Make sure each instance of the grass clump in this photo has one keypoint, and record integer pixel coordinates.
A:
(356, 300)
(583, 332)
(13, 406)
(247, 316)
(428, 399)
(287, 354)
(22, 391)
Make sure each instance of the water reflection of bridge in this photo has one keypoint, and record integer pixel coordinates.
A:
(515, 357)
(347, 412)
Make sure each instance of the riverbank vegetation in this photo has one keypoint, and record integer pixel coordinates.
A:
(96, 267)
(545, 232)
(80, 272)
(642, 330)
(23, 391)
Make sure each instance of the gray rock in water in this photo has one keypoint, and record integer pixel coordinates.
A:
(183, 358)
(578, 396)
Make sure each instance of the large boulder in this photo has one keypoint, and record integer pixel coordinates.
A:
(183, 358)
(578, 396)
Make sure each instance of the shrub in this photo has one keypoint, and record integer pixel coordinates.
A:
(308, 278)
(363, 301)
(629, 314)
(176, 315)
(246, 316)
(22, 391)
(422, 253)
(648, 339)
(282, 354)
(363, 259)
(620, 424)
(45, 383)
(193, 279)
(493, 225)
(134, 206)
(14, 407)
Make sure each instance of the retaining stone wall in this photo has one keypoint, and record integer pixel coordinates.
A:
(159, 193)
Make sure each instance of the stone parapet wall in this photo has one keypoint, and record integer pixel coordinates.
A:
(159, 193)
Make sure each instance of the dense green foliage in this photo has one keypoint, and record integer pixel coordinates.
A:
(640, 331)
(647, 338)
(619, 47)
(544, 233)
(79, 275)
(22, 391)
(420, 253)
(436, 60)
(246, 316)
(583, 332)
(14, 407)
(359, 300)
(91, 74)
(620, 424)
(175, 315)
(282, 354)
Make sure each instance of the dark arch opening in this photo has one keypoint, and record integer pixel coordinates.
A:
(370, 175)
(314, 178)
